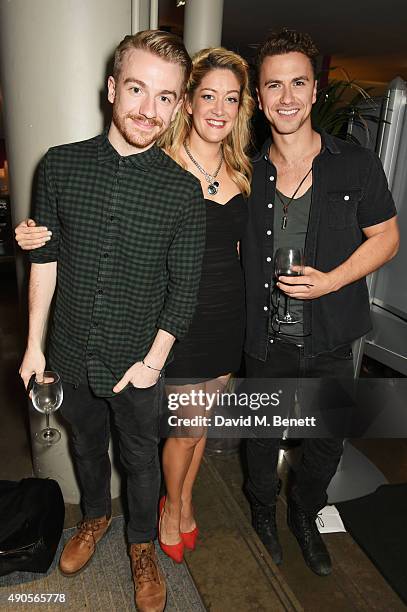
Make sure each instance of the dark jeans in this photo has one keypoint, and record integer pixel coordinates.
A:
(136, 415)
(320, 457)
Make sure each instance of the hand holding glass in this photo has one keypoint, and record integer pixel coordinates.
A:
(47, 397)
(285, 260)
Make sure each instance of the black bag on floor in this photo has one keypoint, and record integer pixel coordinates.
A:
(32, 516)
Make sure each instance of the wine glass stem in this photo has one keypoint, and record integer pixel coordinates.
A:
(47, 419)
(287, 307)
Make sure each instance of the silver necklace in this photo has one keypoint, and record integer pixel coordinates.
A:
(213, 187)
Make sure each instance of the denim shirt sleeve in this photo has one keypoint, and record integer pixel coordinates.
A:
(377, 204)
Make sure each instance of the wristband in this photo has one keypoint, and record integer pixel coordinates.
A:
(150, 367)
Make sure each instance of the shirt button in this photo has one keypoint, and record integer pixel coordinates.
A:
(100, 291)
(271, 178)
(112, 217)
(270, 205)
(265, 307)
(269, 259)
(346, 197)
(266, 285)
(271, 341)
(105, 254)
(90, 355)
(268, 232)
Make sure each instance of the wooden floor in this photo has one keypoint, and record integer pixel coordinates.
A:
(354, 585)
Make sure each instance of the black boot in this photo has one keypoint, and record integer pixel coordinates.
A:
(264, 523)
(308, 537)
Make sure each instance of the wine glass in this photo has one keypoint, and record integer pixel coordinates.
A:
(47, 397)
(285, 260)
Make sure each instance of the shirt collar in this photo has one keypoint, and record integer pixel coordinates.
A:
(264, 151)
(146, 160)
(327, 143)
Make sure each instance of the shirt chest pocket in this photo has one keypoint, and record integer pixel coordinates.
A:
(342, 208)
(147, 221)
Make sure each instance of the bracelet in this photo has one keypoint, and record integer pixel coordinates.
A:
(150, 367)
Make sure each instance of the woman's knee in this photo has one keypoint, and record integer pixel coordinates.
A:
(190, 441)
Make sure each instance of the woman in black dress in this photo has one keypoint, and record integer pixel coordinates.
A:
(209, 138)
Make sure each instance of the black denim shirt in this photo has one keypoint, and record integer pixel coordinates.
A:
(349, 193)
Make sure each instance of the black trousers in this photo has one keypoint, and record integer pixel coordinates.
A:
(320, 457)
(136, 414)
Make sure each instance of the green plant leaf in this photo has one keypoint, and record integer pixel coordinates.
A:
(339, 103)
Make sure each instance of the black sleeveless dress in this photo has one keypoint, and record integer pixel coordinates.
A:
(214, 342)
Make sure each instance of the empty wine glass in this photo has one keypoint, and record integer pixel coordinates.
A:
(285, 260)
(47, 397)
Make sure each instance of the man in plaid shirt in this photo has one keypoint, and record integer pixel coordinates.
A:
(124, 259)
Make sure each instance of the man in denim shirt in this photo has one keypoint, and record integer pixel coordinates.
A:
(329, 197)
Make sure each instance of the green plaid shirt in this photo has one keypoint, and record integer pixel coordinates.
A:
(128, 236)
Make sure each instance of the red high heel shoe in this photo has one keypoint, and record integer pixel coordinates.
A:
(174, 551)
(189, 538)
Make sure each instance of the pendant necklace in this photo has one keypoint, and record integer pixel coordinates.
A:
(213, 187)
(287, 204)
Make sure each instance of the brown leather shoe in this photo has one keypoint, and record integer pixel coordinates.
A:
(80, 547)
(149, 585)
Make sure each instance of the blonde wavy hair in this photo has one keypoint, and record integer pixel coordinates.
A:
(237, 142)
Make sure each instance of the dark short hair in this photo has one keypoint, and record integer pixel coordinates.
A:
(287, 41)
(163, 44)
